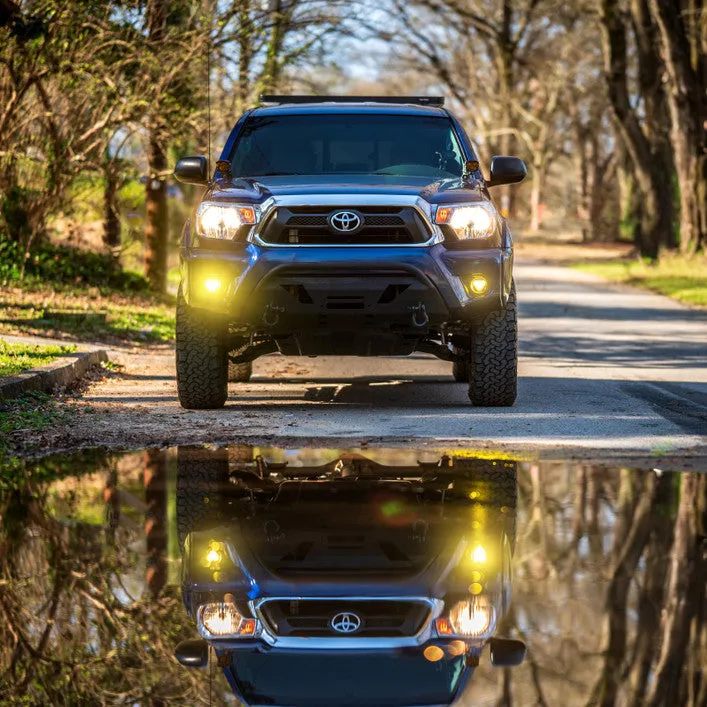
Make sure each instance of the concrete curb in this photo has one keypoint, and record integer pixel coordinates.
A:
(60, 373)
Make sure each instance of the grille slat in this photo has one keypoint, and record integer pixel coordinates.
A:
(309, 225)
(312, 617)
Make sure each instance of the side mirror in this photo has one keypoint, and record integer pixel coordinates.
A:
(193, 653)
(506, 652)
(192, 170)
(506, 170)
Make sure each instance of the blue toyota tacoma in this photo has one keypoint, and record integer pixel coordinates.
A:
(389, 600)
(346, 226)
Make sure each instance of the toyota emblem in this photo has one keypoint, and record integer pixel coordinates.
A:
(346, 622)
(345, 221)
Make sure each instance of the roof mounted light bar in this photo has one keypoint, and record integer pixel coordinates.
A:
(437, 101)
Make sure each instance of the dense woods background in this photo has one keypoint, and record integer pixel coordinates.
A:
(605, 99)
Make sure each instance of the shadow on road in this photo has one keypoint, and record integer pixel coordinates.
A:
(550, 408)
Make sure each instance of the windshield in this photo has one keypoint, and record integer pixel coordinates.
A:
(320, 680)
(401, 145)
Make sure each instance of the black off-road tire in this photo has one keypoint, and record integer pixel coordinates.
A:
(202, 483)
(498, 478)
(493, 359)
(202, 362)
(239, 372)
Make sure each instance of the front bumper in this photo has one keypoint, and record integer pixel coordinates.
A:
(284, 289)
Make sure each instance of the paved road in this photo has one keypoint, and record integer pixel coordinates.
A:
(602, 368)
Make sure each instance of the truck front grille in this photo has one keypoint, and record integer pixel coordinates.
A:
(309, 225)
(307, 618)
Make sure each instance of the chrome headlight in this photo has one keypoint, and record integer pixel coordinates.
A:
(221, 619)
(469, 220)
(216, 220)
(473, 618)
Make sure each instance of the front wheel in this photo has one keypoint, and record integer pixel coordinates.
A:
(493, 359)
(202, 361)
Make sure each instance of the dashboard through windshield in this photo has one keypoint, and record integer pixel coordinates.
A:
(398, 145)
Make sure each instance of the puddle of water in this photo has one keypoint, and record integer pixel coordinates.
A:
(378, 577)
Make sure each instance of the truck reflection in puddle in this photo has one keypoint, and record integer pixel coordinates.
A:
(608, 584)
(347, 582)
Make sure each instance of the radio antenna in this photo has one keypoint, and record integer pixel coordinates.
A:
(208, 102)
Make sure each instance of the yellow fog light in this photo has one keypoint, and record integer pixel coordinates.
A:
(212, 284)
(214, 555)
(479, 555)
(478, 284)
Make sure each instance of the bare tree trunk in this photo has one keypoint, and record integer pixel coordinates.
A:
(629, 541)
(629, 201)
(594, 182)
(650, 598)
(579, 505)
(655, 213)
(506, 62)
(505, 699)
(156, 226)
(687, 83)
(280, 17)
(656, 120)
(581, 162)
(155, 480)
(538, 176)
(686, 588)
(111, 497)
(593, 497)
(245, 55)
(111, 214)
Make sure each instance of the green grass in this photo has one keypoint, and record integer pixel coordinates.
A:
(682, 279)
(15, 358)
(35, 412)
(131, 323)
(86, 314)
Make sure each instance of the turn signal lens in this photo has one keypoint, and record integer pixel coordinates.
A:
(444, 628)
(248, 627)
(247, 214)
(444, 213)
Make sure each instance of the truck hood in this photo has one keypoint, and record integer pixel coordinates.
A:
(438, 191)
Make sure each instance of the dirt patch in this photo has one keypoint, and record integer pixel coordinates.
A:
(561, 252)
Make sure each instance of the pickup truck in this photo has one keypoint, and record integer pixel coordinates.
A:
(347, 582)
(347, 226)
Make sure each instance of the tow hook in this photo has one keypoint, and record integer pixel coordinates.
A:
(271, 315)
(272, 531)
(419, 531)
(419, 314)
